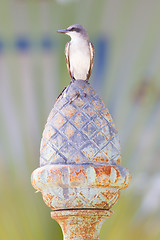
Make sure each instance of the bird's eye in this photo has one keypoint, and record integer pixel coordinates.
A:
(73, 29)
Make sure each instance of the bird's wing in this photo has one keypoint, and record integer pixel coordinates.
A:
(92, 59)
(67, 47)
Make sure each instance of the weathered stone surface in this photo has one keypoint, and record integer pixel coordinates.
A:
(80, 153)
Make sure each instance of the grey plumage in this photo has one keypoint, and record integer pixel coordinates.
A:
(79, 52)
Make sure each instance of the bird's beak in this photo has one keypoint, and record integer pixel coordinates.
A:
(62, 31)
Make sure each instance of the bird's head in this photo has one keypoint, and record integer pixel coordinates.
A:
(75, 31)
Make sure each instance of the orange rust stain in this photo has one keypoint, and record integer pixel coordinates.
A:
(118, 173)
(107, 114)
(33, 181)
(76, 175)
(69, 110)
(98, 124)
(38, 189)
(90, 111)
(78, 102)
(77, 159)
(108, 170)
(54, 176)
(59, 120)
(48, 134)
(96, 104)
(83, 228)
(43, 144)
(77, 119)
(126, 182)
(53, 208)
(103, 170)
(99, 203)
(69, 132)
(118, 161)
(108, 117)
(47, 198)
(100, 159)
(111, 197)
(81, 224)
(125, 179)
(107, 138)
(102, 176)
(118, 176)
(39, 178)
(48, 131)
(90, 91)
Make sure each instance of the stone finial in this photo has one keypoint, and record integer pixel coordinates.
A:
(80, 156)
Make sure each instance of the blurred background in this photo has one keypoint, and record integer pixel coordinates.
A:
(126, 36)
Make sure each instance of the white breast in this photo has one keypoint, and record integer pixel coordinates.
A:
(79, 59)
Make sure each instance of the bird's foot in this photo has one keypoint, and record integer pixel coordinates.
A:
(73, 80)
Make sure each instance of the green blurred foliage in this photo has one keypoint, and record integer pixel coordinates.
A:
(127, 33)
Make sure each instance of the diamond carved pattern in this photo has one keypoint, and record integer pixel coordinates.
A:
(110, 150)
(79, 128)
(81, 197)
(89, 149)
(79, 138)
(89, 110)
(48, 132)
(89, 129)
(79, 120)
(100, 140)
(58, 121)
(57, 141)
(67, 150)
(68, 130)
(68, 110)
(97, 103)
(100, 121)
(78, 158)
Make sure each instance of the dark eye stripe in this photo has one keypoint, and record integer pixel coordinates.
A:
(75, 29)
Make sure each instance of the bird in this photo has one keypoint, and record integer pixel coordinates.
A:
(79, 53)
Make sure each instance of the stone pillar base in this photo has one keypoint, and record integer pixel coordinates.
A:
(81, 224)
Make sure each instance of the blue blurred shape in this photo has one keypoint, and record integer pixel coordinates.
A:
(22, 44)
(47, 43)
(1, 46)
(102, 48)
